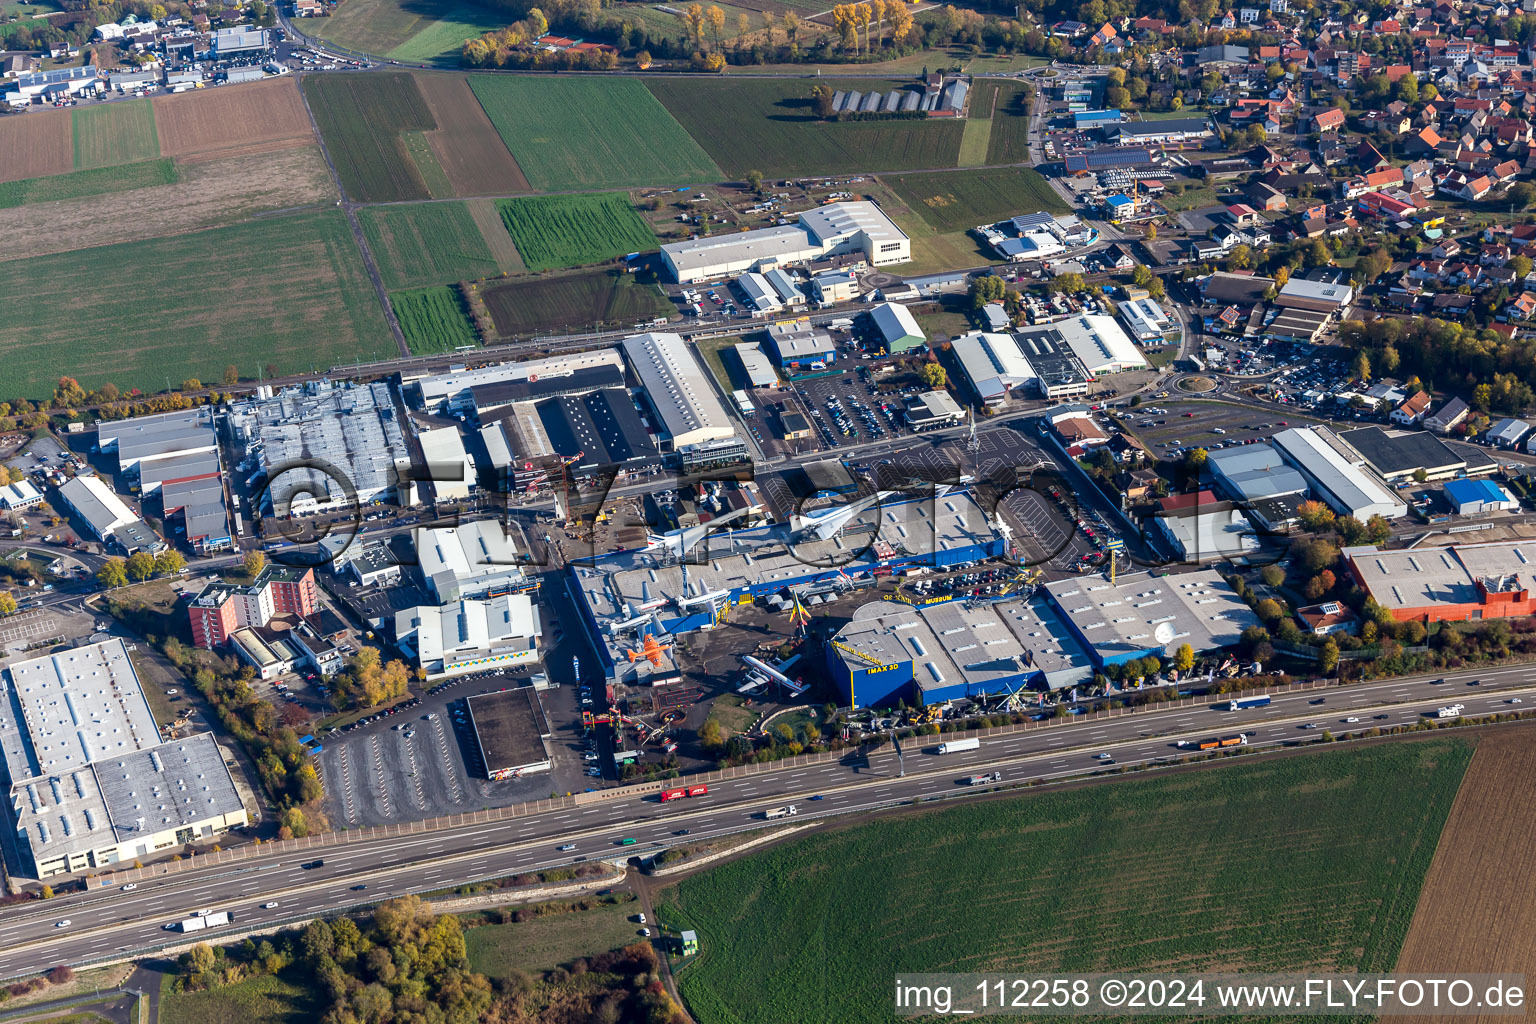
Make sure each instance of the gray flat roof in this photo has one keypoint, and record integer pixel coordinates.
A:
(1402, 452)
(1423, 577)
(1141, 612)
(146, 437)
(1256, 471)
(509, 727)
(63, 711)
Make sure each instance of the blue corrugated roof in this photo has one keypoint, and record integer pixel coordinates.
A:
(1464, 491)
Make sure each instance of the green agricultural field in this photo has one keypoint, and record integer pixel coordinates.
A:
(960, 200)
(1308, 862)
(566, 231)
(593, 133)
(433, 319)
(426, 244)
(361, 118)
(1010, 126)
(280, 294)
(769, 125)
(114, 133)
(441, 41)
(524, 307)
(544, 943)
(95, 182)
(262, 1000)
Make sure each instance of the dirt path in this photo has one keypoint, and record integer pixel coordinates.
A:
(488, 220)
(1477, 910)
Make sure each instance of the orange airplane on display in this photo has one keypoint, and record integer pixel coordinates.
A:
(650, 650)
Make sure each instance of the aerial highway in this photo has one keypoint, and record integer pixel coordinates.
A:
(290, 886)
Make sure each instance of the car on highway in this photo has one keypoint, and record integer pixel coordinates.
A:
(566, 847)
(1352, 719)
(130, 887)
(1308, 725)
(358, 888)
(682, 831)
(61, 924)
(269, 906)
(1102, 757)
(1514, 700)
(818, 796)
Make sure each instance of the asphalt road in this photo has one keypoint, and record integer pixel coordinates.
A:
(105, 922)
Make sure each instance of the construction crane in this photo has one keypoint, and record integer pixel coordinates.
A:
(563, 465)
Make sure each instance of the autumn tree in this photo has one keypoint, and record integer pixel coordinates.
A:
(1184, 658)
(140, 566)
(169, 562)
(113, 573)
(253, 563)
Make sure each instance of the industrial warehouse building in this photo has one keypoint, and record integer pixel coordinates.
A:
(352, 427)
(448, 465)
(1035, 236)
(1398, 455)
(1317, 296)
(896, 327)
(1337, 474)
(1171, 131)
(91, 784)
(471, 560)
(829, 230)
(819, 552)
(1448, 584)
(933, 410)
(691, 420)
(572, 436)
(1253, 472)
(484, 389)
(1208, 531)
(459, 637)
(1479, 497)
(105, 517)
(1097, 341)
(894, 652)
(510, 729)
(175, 456)
(1140, 614)
(800, 343)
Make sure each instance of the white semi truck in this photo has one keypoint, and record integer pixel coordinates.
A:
(781, 812)
(956, 746)
(1450, 711)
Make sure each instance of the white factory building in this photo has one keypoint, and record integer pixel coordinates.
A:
(471, 636)
(471, 560)
(825, 231)
(689, 415)
(449, 466)
(1338, 475)
(1100, 344)
(90, 782)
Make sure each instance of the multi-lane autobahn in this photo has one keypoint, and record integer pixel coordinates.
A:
(110, 921)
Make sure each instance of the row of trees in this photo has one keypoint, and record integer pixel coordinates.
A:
(138, 567)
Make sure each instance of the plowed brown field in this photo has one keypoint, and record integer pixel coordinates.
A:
(472, 154)
(1477, 910)
(37, 145)
(231, 117)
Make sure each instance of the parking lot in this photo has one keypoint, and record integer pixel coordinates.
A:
(422, 761)
(847, 409)
(1173, 426)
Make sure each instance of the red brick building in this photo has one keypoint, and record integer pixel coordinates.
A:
(223, 608)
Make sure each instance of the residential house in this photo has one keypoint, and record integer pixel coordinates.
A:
(1412, 410)
(1450, 415)
(1330, 120)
